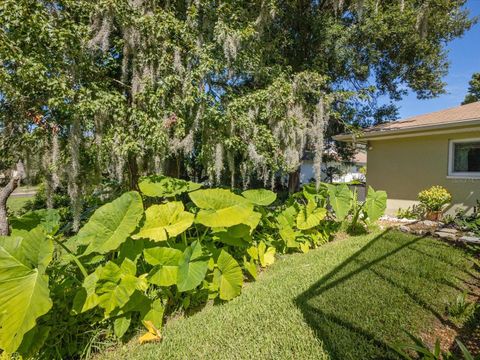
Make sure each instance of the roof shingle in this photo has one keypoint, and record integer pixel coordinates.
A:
(452, 115)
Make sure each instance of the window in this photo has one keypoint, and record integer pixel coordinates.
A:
(464, 159)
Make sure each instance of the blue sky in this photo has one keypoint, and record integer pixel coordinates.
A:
(464, 56)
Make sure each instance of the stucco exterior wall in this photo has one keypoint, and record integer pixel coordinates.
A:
(405, 166)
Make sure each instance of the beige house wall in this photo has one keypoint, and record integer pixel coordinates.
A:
(405, 166)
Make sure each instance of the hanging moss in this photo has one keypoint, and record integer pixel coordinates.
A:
(338, 6)
(219, 165)
(317, 135)
(422, 20)
(55, 160)
(101, 27)
(245, 175)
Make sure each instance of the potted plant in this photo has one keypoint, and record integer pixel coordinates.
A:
(434, 201)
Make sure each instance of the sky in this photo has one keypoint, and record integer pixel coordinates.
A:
(464, 57)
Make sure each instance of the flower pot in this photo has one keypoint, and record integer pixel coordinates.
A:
(434, 215)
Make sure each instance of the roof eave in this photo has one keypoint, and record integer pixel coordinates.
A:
(414, 131)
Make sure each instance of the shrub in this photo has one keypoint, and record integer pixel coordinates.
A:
(435, 198)
(346, 206)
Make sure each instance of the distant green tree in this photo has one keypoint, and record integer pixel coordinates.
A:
(473, 94)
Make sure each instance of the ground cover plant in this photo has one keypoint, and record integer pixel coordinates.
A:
(149, 254)
(469, 222)
(349, 299)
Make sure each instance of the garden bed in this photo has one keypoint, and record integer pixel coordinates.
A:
(434, 228)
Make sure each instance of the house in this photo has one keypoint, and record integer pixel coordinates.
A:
(439, 148)
(334, 169)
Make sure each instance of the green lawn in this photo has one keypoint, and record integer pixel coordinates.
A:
(16, 203)
(349, 299)
(20, 197)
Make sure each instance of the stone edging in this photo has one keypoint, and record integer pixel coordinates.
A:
(433, 228)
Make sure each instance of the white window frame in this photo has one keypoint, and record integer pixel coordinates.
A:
(451, 149)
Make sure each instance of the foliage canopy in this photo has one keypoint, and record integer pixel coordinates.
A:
(229, 92)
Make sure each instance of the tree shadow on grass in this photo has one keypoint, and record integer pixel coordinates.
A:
(359, 308)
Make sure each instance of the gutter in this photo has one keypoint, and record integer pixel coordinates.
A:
(411, 131)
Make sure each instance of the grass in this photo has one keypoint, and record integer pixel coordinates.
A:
(20, 197)
(16, 203)
(350, 299)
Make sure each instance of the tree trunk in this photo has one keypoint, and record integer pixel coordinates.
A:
(133, 172)
(294, 181)
(174, 167)
(5, 194)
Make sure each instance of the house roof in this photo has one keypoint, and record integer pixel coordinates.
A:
(360, 157)
(463, 115)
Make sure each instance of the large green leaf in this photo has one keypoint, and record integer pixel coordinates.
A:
(33, 341)
(166, 262)
(131, 249)
(138, 302)
(234, 215)
(164, 186)
(116, 284)
(289, 235)
(287, 217)
(375, 204)
(217, 199)
(121, 325)
(238, 235)
(109, 287)
(230, 277)
(341, 200)
(165, 221)
(310, 216)
(266, 255)
(111, 224)
(155, 313)
(31, 247)
(250, 267)
(24, 293)
(253, 220)
(286, 222)
(262, 197)
(86, 298)
(48, 218)
(192, 268)
(221, 208)
(312, 193)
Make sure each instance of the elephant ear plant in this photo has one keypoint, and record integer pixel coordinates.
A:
(303, 222)
(166, 187)
(346, 206)
(24, 287)
(144, 256)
